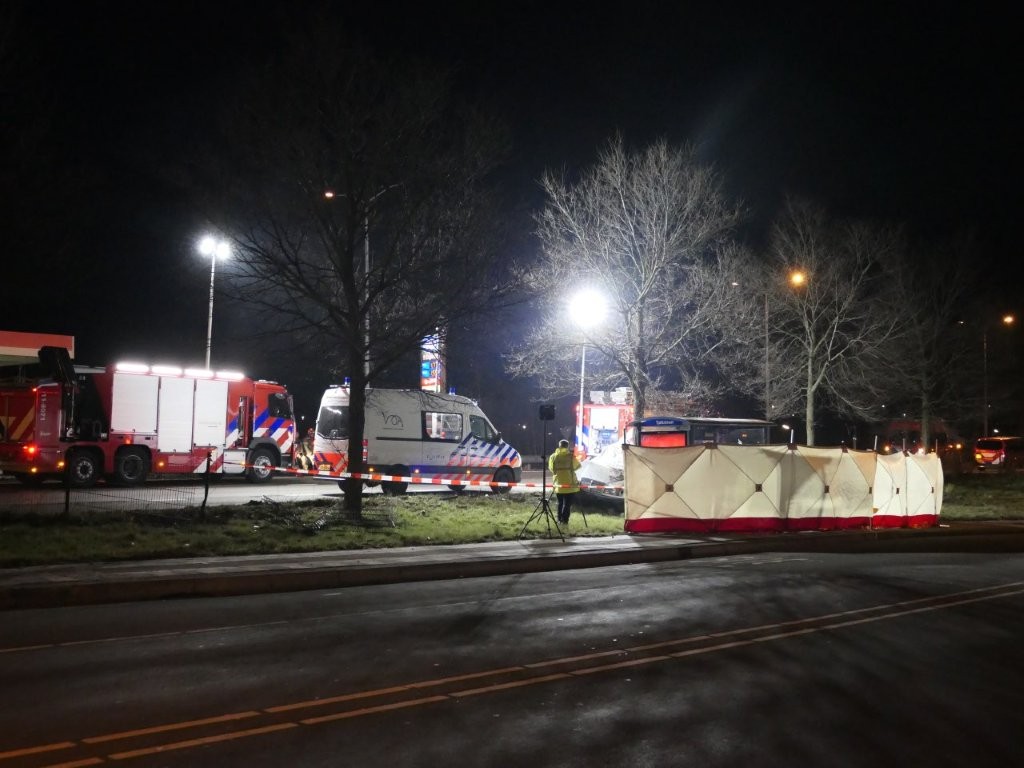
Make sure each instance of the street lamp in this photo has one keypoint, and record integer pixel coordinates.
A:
(586, 309)
(797, 279)
(1007, 320)
(330, 194)
(215, 249)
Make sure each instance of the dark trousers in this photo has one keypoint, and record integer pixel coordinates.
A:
(564, 506)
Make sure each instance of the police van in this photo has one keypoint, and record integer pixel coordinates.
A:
(413, 433)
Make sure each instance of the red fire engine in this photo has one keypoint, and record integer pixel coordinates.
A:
(129, 420)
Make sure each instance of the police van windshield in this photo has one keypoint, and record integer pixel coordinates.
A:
(332, 422)
(482, 430)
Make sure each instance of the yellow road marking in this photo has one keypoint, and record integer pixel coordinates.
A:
(336, 699)
(169, 727)
(204, 740)
(506, 686)
(36, 750)
(372, 710)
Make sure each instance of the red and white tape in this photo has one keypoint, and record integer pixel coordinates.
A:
(432, 480)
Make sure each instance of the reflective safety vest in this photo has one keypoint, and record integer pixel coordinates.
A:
(563, 465)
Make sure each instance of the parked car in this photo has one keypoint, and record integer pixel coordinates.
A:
(999, 452)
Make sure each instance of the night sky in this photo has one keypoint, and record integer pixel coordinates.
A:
(912, 115)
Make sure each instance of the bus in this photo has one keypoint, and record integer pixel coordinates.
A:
(675, 431)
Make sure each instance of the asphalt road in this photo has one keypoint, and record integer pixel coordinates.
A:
(781, 659)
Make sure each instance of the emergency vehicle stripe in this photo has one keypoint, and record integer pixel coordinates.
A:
(258, 422)
(216, 465)
(473, 452)
(26, 422)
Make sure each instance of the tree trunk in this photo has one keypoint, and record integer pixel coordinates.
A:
(356, 429)
(809, 412)
(639, 402)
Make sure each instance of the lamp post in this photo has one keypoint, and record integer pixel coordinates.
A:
(586, 309)
(215, 249)
(330, 194)
(1006, 320)
(767, 376)
(797, 279)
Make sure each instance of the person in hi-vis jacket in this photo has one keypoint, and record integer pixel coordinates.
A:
(563, 465)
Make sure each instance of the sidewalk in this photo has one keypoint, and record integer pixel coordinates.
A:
(90, 583)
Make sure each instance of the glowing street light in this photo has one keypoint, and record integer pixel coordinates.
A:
(586, 309)
(215, 249)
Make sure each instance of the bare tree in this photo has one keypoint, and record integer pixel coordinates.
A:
(834, 324)
(363, 211)
(646, 231)
(931, 363)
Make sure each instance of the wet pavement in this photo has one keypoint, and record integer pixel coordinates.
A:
(89, 583)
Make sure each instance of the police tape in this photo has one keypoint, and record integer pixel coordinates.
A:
(454, 482)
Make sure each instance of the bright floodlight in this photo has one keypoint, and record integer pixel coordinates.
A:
(209, 246)
(587, 308)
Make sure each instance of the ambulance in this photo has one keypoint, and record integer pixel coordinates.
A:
(413, 433)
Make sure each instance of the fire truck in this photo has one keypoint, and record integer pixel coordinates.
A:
(128, 421)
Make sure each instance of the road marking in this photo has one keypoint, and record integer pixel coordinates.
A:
(372, 710)
(730, 639)
(506, 686)
(170, 727)
(336, 699)
(36, 750)
(201, 741)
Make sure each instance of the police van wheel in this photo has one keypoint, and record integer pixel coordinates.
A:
(395, 488)
(503, 475)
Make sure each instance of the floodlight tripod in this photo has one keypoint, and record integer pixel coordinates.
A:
(543, 508)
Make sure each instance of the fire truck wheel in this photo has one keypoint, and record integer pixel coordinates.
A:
(395, 488)
(261, 466)
(83, 469)
(503, 475)
(130, 467)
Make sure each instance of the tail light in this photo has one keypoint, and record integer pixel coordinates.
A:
(30, 449)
